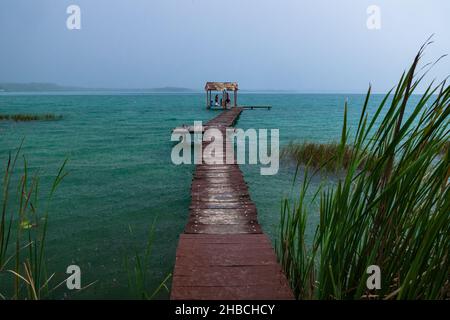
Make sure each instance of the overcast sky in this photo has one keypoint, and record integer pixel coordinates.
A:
(309, 46)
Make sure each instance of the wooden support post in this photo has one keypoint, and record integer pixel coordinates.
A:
(235, 98)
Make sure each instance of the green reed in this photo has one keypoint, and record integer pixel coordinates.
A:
(138, 270)
(390, 208)
(446, 147)
(23, 230)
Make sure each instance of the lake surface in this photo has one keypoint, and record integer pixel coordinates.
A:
(121, 177)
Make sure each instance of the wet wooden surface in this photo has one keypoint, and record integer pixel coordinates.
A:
(227, 266)
(223, 253)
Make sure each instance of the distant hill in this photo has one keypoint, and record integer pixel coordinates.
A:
(38, 87)
(168, 89)
(33, 86)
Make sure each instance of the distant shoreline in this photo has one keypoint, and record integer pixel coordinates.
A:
(52, 89)
(131, 93)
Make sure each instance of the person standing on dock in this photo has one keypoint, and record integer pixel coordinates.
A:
(216, 100)
(224, 98)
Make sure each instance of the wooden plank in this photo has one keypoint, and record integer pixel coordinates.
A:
(216, 276)
(222, 219)
(225, 239)
(222, 228)
(231, 293)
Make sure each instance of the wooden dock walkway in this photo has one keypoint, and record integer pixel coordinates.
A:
(223, 253)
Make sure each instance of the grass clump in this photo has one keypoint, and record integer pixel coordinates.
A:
(391, 208)
(138, 267)
(23, 230)
(30, 117)
(319, 155)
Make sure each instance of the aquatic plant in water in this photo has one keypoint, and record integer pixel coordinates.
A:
(30, 117)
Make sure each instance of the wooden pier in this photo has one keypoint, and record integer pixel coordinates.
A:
(223, 253)
(256, 107)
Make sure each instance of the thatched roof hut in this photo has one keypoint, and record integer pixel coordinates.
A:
(221, 86)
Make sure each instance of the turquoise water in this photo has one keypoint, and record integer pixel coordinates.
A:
(121, 176)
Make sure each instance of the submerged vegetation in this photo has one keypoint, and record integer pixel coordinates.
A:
(23, 231)
(30, 117)
(391, 208)
(319, 155)
(325, 156)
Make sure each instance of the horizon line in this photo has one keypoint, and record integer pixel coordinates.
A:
(49, 87)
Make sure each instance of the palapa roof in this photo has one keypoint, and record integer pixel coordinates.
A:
(220, 86)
